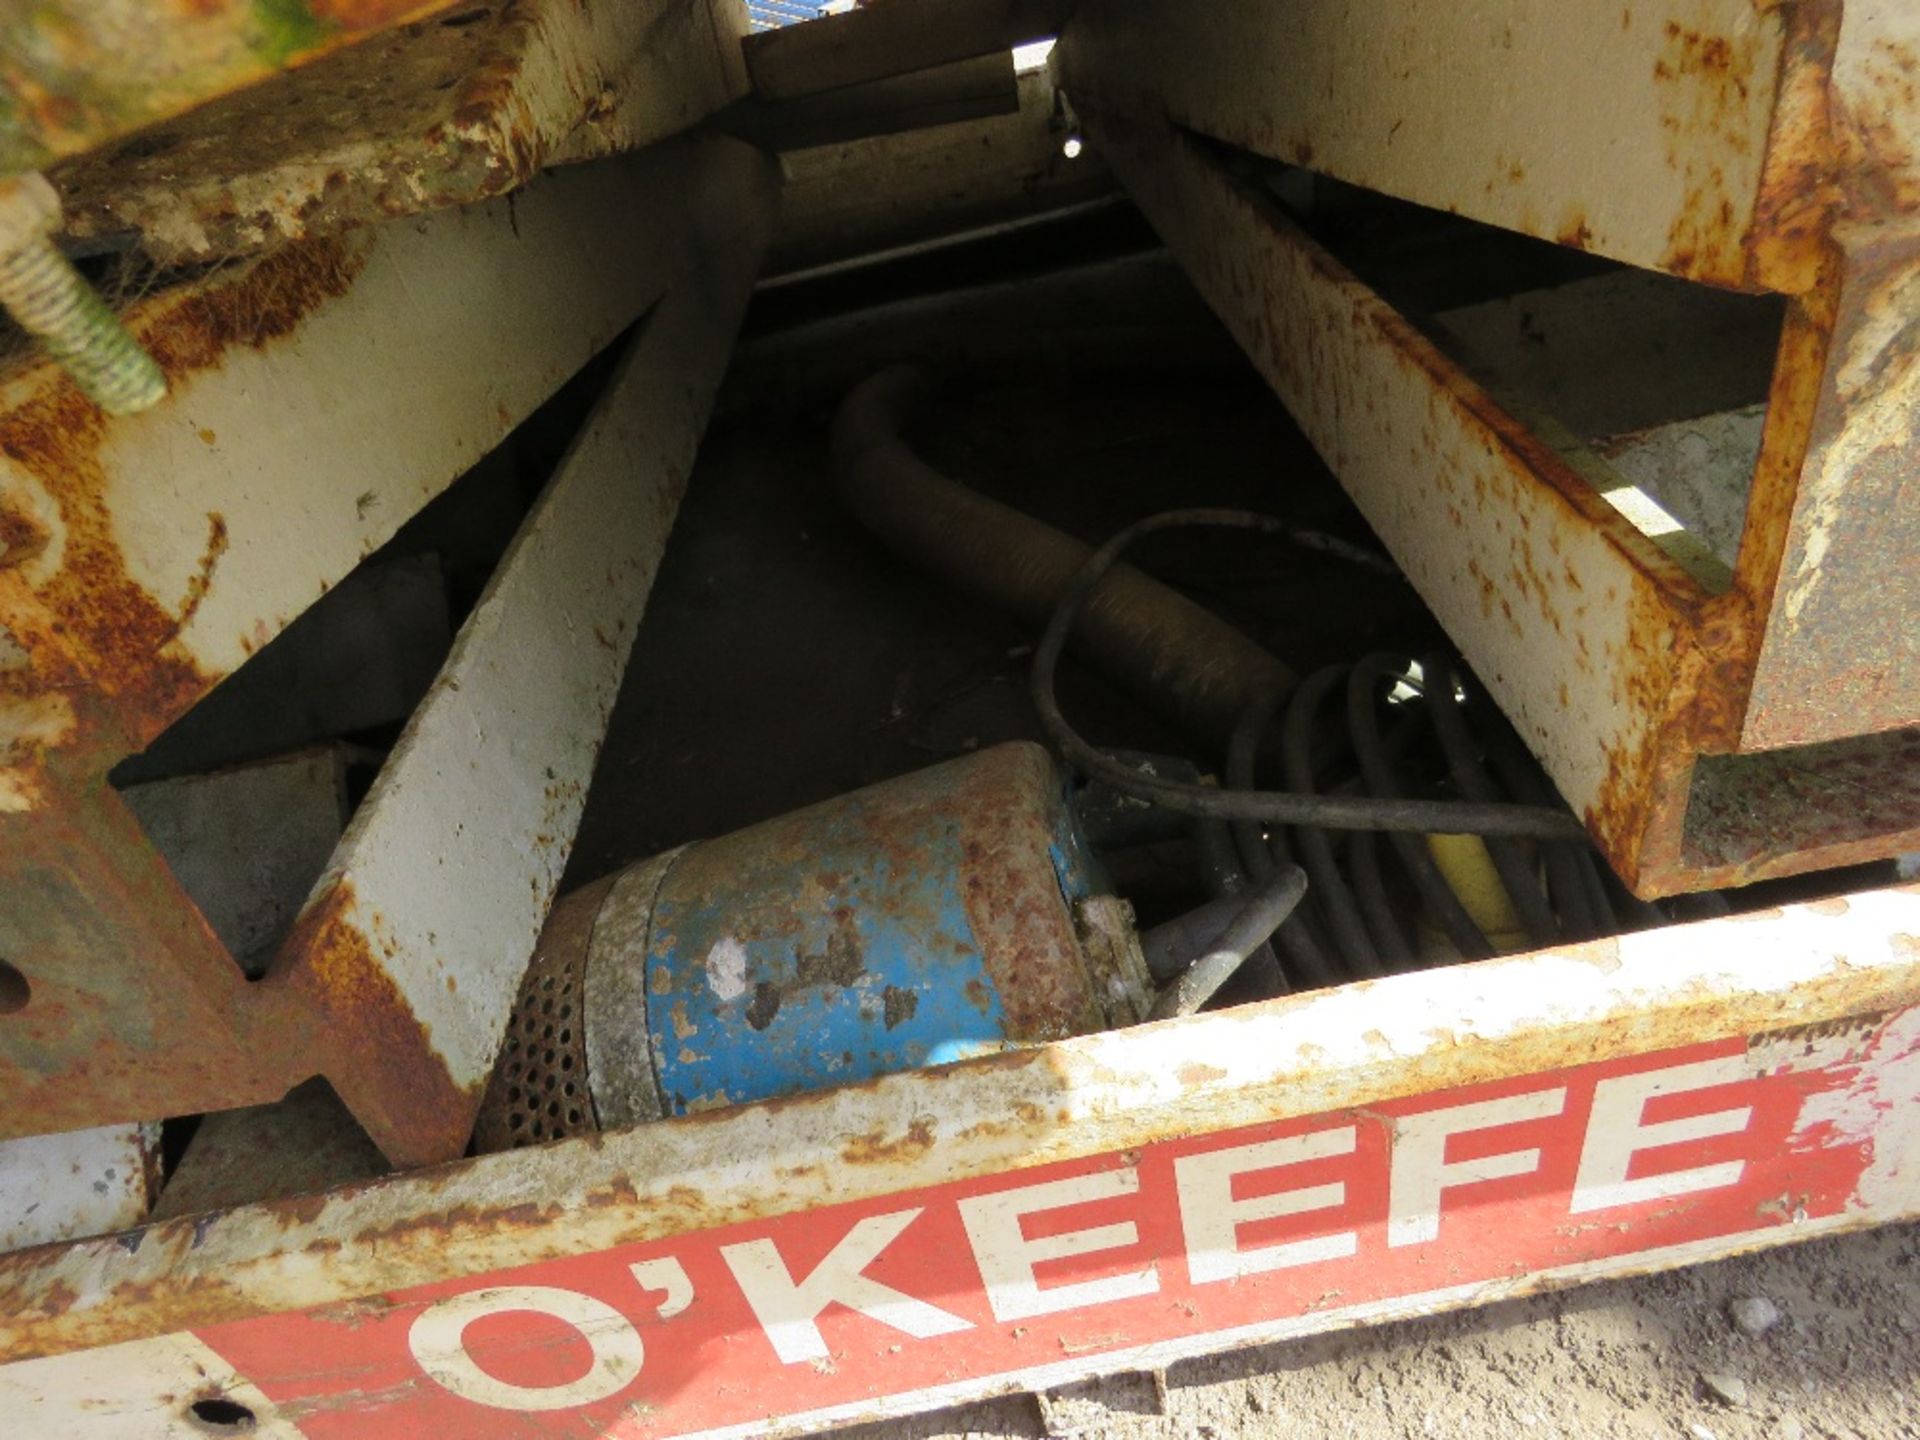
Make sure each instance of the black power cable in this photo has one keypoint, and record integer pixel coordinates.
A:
(1274, 807)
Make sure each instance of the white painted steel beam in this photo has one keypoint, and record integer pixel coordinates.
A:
(444, 878)
(1652, 1100)
(1749, 146)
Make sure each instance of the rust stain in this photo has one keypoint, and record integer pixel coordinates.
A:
(268, 301)
(1798, 195)
(1575, 231)
(202, 577)
(380, 1057)
(90, 622)
(1705, 81)
(900, 1005)
(21, 538)
(876, 1148)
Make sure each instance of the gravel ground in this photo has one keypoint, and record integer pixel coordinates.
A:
(1665, 1357)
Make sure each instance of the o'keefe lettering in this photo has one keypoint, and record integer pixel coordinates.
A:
(788, 1309)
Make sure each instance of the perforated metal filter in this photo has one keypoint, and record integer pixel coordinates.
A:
(539, 1087)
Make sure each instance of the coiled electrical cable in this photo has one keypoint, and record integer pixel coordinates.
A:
(1331, 811)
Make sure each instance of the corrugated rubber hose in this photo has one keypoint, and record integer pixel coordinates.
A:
(1186, 662)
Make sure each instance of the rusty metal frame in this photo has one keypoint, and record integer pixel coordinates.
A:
(129, 590)
(1708, 739)
(77, 73)
(443, 112)
(1814, 1009)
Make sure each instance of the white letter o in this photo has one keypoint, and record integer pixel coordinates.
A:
(438, 1343)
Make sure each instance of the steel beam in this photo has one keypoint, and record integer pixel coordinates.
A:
(434, 900)
(944, 95)
(1630, 675)
(134, 1010)
(84, 1182)
(152, 554)
(1232, 1178)
(861, 46)
(863, 197)
(1579, 625)
(1658, 133)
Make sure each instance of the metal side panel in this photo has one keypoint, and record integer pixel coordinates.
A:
(1396, 1147)
(1660, 133)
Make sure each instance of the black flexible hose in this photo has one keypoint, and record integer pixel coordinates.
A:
(1275, 807)
(1363, 690)
(1376, 907)
(1510, 859)
(1176, 654)
(1262, 855)
(1338, 906)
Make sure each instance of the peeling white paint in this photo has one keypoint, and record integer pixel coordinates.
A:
(1881, 1109)
(727, 968)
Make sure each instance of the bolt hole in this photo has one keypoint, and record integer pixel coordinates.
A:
(14, 989)
(219, 1416)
